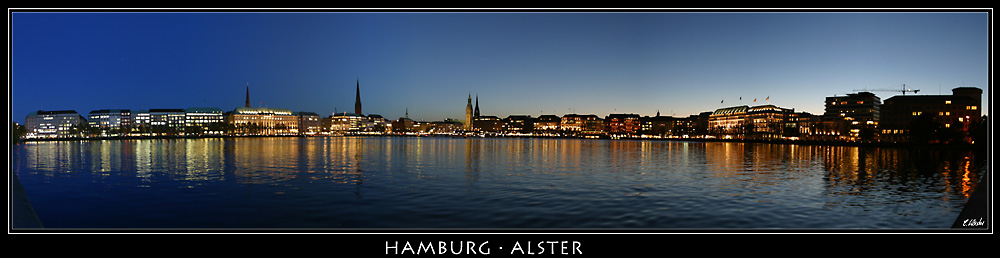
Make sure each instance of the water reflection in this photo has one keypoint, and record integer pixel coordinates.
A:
(464, 180)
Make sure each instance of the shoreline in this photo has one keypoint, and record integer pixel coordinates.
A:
(972, 147)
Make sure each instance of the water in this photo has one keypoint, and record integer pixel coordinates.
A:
(428, 182)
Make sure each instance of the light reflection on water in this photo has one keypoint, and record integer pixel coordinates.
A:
(403, 182)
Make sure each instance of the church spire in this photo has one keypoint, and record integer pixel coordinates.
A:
(476, 114)
(248, 95)
(357, 99)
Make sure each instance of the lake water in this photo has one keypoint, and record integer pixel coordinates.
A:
(492, 183)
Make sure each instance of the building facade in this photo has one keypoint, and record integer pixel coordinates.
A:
(53, 124)
(931, 114)
(309, 123)
(730, 122)
(263, 121)
(622, 124)
(111, 122)
(518, 124)
(204, 121)
(853, 117)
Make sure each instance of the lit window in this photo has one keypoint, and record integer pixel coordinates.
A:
(947, 102)
(947, 125)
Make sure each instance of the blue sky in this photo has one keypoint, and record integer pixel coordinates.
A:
(517, 63)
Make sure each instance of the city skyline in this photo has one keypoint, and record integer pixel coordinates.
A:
(428, 64)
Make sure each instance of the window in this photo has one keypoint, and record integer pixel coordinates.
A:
(947, 102)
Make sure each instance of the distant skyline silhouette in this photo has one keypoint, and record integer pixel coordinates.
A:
(516, 63)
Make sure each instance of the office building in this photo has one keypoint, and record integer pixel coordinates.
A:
(852, 117)
(53, 124)
(111, 122)
(954, 113)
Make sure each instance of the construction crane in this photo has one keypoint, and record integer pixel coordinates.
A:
(904, 90)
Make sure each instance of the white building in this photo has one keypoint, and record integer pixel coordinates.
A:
(52, 124)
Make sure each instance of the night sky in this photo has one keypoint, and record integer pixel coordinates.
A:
(529, 63)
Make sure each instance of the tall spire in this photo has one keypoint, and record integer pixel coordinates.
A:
(248, 95)
(357, 99)
(476, 114)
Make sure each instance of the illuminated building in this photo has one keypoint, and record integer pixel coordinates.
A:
(729, 122)
(204, 121)
(309, 123)
(448, 126)
(518, 124)
(547, 124)
(951, 112)
(403, 125)
(768, 121)
(572, 123)
(154, 122)
(761, 122)
(803, 125)
(111, 122)
(377, 123)
(52, 124)
(852, 116)
(622, 124)
(692, 126)
(658, 125)
(468, 114)
(592, 124)
(347, 122)
(263, 121)
(487, 124)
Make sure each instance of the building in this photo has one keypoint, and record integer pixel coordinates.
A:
(347, 122)
(309, 123)
(469, 114)
(490, 124)
(592, 125)
(768, 121)
(743, 122)
(572, 123)
(111, 122)
(692, 126)
(729, 122)
(852, 117)
(622, 124)
(403, 125)
(157, 122)
(53, 124)
(932, 116)
(263, 121)
(658, 125)
(378, 124)
(547, 124)
(803, 125)
(518, 124)
(448, 126)
(202, 120)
